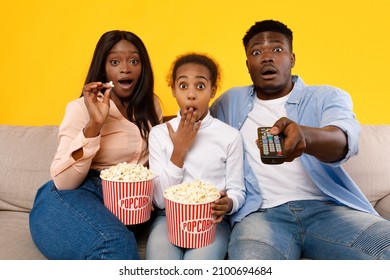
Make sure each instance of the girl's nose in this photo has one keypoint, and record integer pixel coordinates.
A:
(191, 94)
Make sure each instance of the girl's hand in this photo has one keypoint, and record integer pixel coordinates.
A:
(183, 138)
(221, 206)
(98, 106)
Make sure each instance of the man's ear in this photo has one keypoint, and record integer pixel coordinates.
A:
(292, 60)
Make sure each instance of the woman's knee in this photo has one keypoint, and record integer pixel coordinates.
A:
(118, 245)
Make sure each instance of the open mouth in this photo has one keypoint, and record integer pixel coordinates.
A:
(126, 83)
(268, 70)
(268, 73)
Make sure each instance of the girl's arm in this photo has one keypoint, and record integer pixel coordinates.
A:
(233, 197)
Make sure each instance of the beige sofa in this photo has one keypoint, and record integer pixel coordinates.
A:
(27, 151)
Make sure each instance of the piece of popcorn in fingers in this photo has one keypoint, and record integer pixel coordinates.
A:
(110, 83)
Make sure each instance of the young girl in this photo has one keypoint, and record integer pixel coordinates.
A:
(195, 146)
(109, 124)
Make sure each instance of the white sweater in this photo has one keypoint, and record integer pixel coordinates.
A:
(216, 156)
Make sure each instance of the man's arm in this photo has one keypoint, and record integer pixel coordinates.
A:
(328, 144)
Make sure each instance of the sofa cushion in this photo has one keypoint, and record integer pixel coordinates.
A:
(15, 239)
(26, 155)
(370, 168)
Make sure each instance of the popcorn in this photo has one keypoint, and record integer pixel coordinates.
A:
(127, 172)
(110, 83)
(192, 192)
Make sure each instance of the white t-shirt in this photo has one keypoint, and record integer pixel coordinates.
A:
(282, 182)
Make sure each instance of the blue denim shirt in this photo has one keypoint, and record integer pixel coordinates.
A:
(315, 106)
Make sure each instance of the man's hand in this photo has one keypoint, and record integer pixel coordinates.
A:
(295, 142)
(327, 144)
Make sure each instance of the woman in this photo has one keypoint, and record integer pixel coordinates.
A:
(108, 124)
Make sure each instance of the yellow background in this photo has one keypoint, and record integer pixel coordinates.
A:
(46, 47)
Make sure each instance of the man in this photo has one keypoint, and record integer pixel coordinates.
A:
(307, 207)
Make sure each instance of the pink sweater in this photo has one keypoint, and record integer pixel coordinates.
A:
(119, 141)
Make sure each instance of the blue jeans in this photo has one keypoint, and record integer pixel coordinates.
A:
(158, 247)
(75, 224)
(310, 229)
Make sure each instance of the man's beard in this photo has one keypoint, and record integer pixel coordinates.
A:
(268, 89)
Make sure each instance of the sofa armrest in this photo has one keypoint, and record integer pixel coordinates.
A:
(383, 207)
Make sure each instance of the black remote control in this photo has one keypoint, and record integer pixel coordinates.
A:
(271, 146)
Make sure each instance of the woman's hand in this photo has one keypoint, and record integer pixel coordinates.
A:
(221, 206)
(98, 106)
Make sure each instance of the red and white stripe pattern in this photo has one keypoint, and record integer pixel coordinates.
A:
(189, 225)
(131, 202)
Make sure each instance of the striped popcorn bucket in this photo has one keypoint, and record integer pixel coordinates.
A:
(131, 202)
(190, 225)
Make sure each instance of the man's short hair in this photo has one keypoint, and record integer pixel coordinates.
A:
(268, 25)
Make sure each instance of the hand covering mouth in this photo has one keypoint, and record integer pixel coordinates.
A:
(193, 108)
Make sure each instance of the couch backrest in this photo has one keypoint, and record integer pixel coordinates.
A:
(26, 153)
(370, 169)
